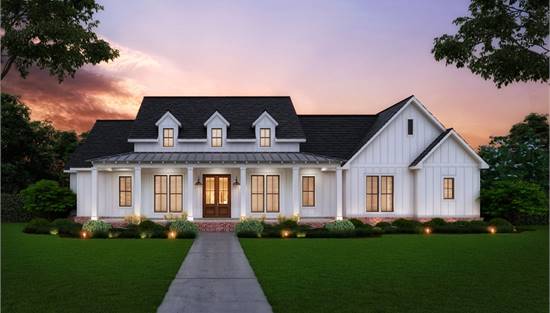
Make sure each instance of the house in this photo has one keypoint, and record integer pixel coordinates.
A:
(231, 157)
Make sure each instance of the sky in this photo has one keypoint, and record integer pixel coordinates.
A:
(330, 57)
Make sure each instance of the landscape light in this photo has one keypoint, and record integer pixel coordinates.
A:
(83, 234)
(172, 235)
(492, 230)
(285, 233)
(427, 230)
(54, 231)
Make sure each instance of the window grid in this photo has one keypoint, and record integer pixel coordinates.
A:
(125, 191)
(257, 193)
(161, 193)
(265, 137)
(308, 191)
(448, 188)
(372, 193)
(216, 135)
(386, 192)
(272, 193)
(168, 137)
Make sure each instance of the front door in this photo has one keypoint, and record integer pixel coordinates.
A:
(216, 196)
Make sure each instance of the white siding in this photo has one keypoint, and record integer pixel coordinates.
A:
(72, 182)
(449, 160)
(147, 189)
(84, 193)
(325, 193)
(390, 153)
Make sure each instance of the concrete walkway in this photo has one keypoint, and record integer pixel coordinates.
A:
(215, 277)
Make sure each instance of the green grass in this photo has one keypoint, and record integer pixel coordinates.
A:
(405, 273)
(44, 273)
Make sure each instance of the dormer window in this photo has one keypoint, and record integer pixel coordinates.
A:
(216, 137)
(265, 137)
(168, 137)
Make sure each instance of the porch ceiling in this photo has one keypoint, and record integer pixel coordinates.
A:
(217, 157)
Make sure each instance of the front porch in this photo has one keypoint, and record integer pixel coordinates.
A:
(221, 189)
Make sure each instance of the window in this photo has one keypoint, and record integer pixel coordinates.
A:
(372, 193)
(167, 137)
(410, 126)
(168, 193)
(265, 137)
(176, 190)
(272, 193)
(448, 188)
(308, 191)
(161, 193)
(257, 192)
(386, 193)
(216, 137)
(379, 194)
(125, 191)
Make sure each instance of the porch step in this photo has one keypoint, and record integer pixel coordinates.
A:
(216, 226)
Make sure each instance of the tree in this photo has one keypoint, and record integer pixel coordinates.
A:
(502, 40)
(46, 198)
(52, 34)
(31, 150)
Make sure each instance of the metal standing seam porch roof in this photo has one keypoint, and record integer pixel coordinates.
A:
(216, 157)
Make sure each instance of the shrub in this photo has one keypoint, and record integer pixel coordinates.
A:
(248, 234)
(502, 225)
(325, 233)
(249, 226)
(184, 228)
(368, 232)
(98, 229)
(407, 226)
(37, 226)
(175, 217)
(356, 222)
(130, 232)
(150, 229)
(436, 222)
(387, 227)
(12, 209)
(66, 227)
(343, 226)
(134, 219)
(287, 223)
(47, 198)
(513, 200)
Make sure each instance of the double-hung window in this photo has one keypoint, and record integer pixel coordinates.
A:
(125, 191)
(216, 135)
(167, 137)
(308, 191)
(265, 193)
(168, 193)
(380, 193)
(448, 188)
(265, 137)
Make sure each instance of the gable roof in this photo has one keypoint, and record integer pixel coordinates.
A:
(107, 137)
(167, 115)
(240, 112)
(450, 132)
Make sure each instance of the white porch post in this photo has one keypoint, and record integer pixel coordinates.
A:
(244, 191)
(296, 190)
(339, 195)
(137, 190)
(94, 194)
(189, 194)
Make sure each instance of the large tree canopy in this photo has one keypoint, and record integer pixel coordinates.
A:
(31, 150)
(502, 40)
(51, 34)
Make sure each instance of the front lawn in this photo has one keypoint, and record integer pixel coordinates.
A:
(44, 273)
(405, 273)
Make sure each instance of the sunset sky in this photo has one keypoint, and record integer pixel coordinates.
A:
(331, 57)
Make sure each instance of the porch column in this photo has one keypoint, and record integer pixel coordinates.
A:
(94, 194)
(244, 191)
(339, 195)
(189, 194)
(137, 190)
(296, 190)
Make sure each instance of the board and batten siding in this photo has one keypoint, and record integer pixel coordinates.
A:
(390, 153)
(449, 160)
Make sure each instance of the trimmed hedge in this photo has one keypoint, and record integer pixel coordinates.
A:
(248, 226)
(65, 227)
(37, 226)
(343, 226)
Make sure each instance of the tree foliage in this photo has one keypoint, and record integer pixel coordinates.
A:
(516, 184)
(502, 40)
(31, 150)
(53, 35)
(47, 198)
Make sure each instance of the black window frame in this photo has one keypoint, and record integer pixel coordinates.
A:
(410, 127)
(446, 188)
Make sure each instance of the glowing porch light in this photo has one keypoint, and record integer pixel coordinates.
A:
(492, 230)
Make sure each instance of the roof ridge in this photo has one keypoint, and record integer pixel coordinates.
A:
(396, 104)
(216, 96)
(359, 115)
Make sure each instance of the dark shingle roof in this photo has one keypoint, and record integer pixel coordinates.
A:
(240, 112)
(107, 137)
(430, 147)
(341, 136)
(217, 157)
(334, 135)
